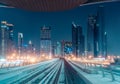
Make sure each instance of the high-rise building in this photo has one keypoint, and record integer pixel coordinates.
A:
(78, 40)
(7, 40)
(20, 43)
(81, 41)
(58, 48)
(11, 44)
(30, 48)
(92, 37)
(105, 45)
(4, 37)
(68, 48)
(101, 26)
(96, 35)
(74, 39)
(45, 41)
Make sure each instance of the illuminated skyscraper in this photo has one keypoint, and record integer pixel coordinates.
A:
(58, 48)
(74, 39)
(96, 35)
(45, 41)
(77, 40)
(11, 45)
(92, 37)
(7, 40)
(81, 41)
(20, 43)
(101, 26)
(4, 37)
(30, 48)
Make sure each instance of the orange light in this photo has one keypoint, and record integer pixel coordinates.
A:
(32, 60)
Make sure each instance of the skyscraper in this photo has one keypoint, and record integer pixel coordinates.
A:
(81, 41)
(74, 39)
(58, 48)
(11, 44)
(92, 37)
(20, 43)
(77, 40)
(45, 41)
(96, 35)
(101, 26)
(4, 37)
(7, 40)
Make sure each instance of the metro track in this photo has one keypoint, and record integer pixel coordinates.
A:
(20, 75)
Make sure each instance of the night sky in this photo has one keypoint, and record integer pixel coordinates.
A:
(29, 23)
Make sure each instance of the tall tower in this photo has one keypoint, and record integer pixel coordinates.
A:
(77, 40)
(101, 26)
(4, 38)
(58, 48)
(20, 43)
(74, 39)
(92, 37)
(7, 40)
(10, 42)
(45, 41)
(81, 41)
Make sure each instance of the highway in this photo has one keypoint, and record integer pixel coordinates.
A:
(54, 71)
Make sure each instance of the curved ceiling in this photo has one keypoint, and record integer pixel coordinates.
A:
(46, 5)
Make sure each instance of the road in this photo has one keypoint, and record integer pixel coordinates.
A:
(56, 71)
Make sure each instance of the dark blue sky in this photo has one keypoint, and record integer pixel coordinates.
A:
(29, 23)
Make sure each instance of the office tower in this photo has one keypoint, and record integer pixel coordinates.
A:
(68, 48)
(30, 49)
(77, 40)
(81, 41)
(62, 48)
(30, 46)
(58, 48)
(20, 44)
(53, 50)
(7, 40)
(4, 38)
(45, 41)
(101, 26)
(105, 45)
(74, 39)
(96, 35)
(10, 43)
(92, 37)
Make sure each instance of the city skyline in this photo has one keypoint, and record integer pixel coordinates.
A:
(60, 24)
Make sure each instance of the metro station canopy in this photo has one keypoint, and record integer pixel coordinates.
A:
(45, 5)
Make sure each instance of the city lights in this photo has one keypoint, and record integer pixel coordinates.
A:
(54, 46)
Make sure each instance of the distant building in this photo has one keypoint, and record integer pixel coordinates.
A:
(53, 50)
(74, 39)
(78, 40)
(11, 43)
(6, 39)
(45, 41)
(81, 41)
(68, 48)
(92, 37)
(101, 26)
(20, 44)
(30, 48)
(58, 48)
(96, 35)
